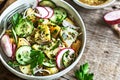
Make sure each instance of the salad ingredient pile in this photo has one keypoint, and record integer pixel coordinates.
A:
(42, 40)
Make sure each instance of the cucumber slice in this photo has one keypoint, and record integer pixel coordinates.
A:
(48, 64)
(68, 57)
(47, 3)
(23, 55)
(24, 28)
(59, 15)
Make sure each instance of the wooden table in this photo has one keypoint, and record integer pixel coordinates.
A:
(102, 50)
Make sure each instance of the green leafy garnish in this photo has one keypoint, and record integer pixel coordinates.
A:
(13, 64)
(56, 45)
(16, 19)
(83, 74)
(37, 58)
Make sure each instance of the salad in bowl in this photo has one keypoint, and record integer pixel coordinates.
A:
(41, 40)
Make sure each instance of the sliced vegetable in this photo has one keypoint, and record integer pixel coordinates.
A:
(68, 23)
(22, 42)
(112, 17)
(50, 12)
(62, 60)
(76, 46)
(13, 50)
(6, 45)
(59, 15)
(47, 3)
(49, 63)
(42, 12)
(68, 36)
(24, 28)
(42, 35)
(68, 57)
(55, 30)
(14, 35)
(29, 14)
(25, 69)
(23, 55)
(52, 53)
(52, 70)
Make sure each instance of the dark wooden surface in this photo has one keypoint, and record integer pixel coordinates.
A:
(102, 50)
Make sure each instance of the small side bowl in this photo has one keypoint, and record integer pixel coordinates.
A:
(87, 6)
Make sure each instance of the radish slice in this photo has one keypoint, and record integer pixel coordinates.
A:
(6, 45)
(50, 11)
(60, 56)
(43, 12)
(13, 50)
(112, 17)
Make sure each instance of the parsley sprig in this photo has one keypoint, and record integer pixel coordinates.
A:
(37, 58)
(83, 73)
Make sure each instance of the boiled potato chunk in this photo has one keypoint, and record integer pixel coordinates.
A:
(69, 20)
(22, 41)
(68, 36)
(25, 69)
(43, 34)
(55, 30)
(76, 46)
(30, 14)
(52, 70)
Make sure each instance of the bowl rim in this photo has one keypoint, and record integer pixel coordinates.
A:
(66, 70)
(87, 6)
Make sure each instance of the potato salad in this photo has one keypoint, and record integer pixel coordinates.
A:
(41, 41)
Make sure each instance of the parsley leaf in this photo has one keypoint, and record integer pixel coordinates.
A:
(83, 73)
(37, 58)
(13, 64)
(16, 19)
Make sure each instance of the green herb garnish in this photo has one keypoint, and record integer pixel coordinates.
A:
(41, 20)
(37, 58)
(16, 19)
(13, 64)
(83, 74)
(56, 45)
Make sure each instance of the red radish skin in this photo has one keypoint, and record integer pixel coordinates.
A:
(13, 50)
(59, 57)
(50, 12)
(6, 45)
(112, 17)
(42, 12)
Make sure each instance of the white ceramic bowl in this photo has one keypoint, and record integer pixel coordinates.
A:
(19, 6)
(109, 2)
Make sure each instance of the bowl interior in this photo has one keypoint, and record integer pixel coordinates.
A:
(20, 6)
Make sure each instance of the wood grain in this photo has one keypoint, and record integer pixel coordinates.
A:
(102, 50)
(7, 3)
